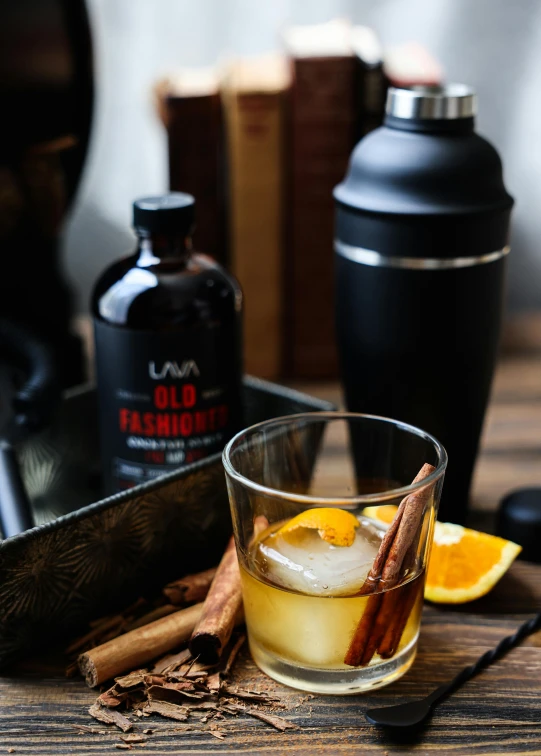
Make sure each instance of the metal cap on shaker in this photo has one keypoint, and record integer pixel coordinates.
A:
(444, 103)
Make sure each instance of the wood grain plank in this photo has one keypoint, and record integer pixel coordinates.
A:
(497, 713)
(496, 476)
(522, 334)
(518, 379)
(513, 428)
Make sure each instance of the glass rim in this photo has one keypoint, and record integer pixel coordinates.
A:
(343, 501)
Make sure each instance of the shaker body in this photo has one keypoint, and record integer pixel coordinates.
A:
(420, 345)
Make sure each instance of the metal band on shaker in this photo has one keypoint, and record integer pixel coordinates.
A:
(377, 260)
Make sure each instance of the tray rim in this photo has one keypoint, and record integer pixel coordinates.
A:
(102, 505)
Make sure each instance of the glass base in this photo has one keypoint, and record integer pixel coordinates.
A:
(341, 682)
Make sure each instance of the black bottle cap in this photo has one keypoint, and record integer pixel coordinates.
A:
(167, 213)
(519, 520)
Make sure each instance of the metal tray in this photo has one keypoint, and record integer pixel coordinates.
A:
(88, 556)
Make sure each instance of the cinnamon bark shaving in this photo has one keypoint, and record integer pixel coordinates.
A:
(132, 680)
(279, 723)
(173, 696)
(247, 695)
(191, 684)
(172, 662)
(233, 655)
(167, 709)
(214, 682)
(112, 698)
(110, 717)
(172, 692)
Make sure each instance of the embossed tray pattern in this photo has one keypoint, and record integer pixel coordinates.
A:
(85, 559)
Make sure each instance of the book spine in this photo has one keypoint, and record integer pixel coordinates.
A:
(322, 135)
(255, 157)
(195, 142)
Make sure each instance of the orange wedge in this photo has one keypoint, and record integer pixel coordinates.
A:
(336, 526)
(464, 564)
(382, 512)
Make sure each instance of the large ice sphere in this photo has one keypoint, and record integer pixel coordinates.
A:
(302, 561)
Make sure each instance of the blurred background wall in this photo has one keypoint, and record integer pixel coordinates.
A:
(494, 45)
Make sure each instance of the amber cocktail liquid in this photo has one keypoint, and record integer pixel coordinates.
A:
(332, 589)
(302, 606)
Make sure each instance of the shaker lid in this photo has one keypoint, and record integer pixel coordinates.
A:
(443, 103)
(427, 160)
(425, 182)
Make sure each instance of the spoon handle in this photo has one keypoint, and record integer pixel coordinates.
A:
(505, 645)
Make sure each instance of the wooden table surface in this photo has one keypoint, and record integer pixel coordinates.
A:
(497, 713)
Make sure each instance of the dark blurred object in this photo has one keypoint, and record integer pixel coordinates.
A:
(29, 392)
(519, 520)
(371, 82)
(46, 91)
(190, 107)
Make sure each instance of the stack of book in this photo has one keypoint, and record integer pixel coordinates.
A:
(261, 145)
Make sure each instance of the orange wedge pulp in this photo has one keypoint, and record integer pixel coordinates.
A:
(336, 526)
(464, 564)
(381, 513)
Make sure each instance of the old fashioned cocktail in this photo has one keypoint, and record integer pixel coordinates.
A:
(332, 599)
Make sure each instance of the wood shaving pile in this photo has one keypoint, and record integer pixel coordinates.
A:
(178, 687)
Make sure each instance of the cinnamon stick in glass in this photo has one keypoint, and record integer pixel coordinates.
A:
(393, 632)
(387, 609)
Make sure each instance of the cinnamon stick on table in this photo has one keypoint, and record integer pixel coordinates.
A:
(223, 606)
(220, 609)
(384, 618)
(190, 589)
(136, 648)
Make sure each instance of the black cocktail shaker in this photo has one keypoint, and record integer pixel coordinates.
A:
(422, 221)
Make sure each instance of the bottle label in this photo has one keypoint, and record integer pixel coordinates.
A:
(166, 400)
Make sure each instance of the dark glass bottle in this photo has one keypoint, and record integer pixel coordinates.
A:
(167, 324)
